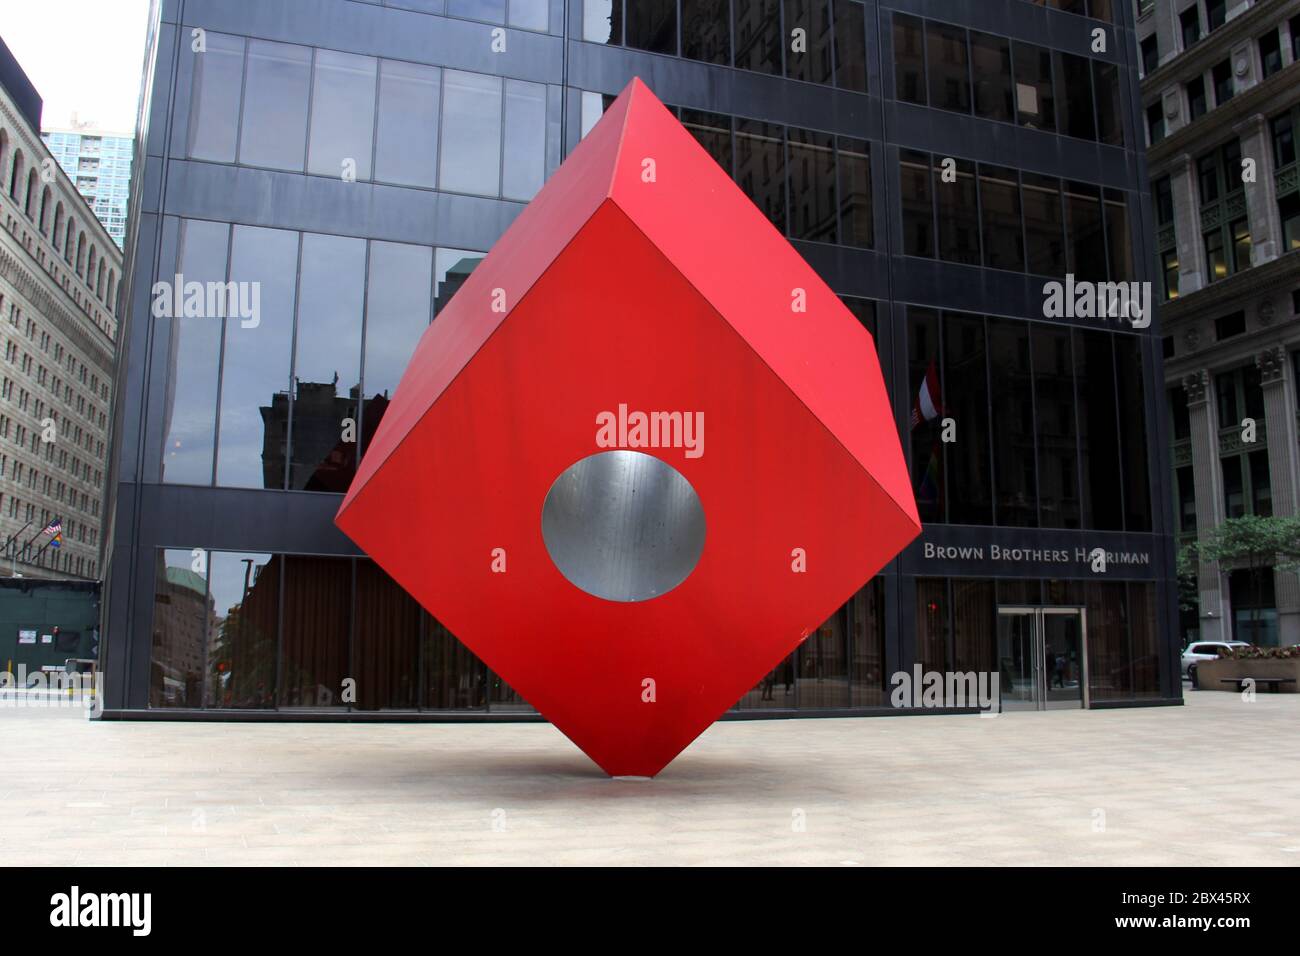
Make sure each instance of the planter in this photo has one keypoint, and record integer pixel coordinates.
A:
(1211, 674)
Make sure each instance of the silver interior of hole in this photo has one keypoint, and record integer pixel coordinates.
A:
(623, 526)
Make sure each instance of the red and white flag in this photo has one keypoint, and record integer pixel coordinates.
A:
(929, 403)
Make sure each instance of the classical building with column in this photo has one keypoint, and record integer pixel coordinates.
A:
(59, 277)
(1221, 97)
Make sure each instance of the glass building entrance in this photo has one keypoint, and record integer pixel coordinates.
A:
(1042, 659)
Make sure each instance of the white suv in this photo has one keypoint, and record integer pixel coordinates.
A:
(1198, 651)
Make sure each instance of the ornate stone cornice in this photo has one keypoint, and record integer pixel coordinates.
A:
(1272, 364)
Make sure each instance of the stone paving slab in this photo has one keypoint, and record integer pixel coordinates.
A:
(1214, 782)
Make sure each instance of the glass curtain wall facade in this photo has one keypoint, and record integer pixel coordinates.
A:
(353, 160)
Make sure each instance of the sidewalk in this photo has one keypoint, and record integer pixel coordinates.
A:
(1214, 782)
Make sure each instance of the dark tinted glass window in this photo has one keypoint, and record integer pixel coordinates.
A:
(760, 167)
(652, 25)
(1180, 413)
(244, 594)
(1253, 391)
(809, 58)
(1216, 13)
(251, 445)
(1270, 52)
(1234, 501)
(918, 203)
(713, 132)
(1110, 117)
(966, 398)
(926, 386)
(454, 679)
(1232, 181)
(1196, 101)
(406, 133)
(958, 213)
(1155, 122)
(1207, 168)
(1119, 242)
(1099, 446)
(1169, 274)
(1058, 474)
(274, 128)
(850, 46)
(949, 71)
(471, 134)
(1150, 55)
(1004, 244)
(1190, 22)
(214, 113)
(1225, 327)
(1163, 194)
(1239, 230)
(864, 310)
(909, 59)
(1132, 432)
(706, 30)
(991, 67)
(180, 631)
(1216, 256)
(342, 114)
(932, 623)
(1186, 500)
(1284, 140)
(1085, 241)
(327, 362)
(1035, 100)
(758, 35)
(1223, 87)
(1225, 392)
(811, 175)
(315, 636)
(192, 358)
(1013, 410)
(1044, 229)
(1261, 491)
(1074, 87)
(386, 649)
(854, 163)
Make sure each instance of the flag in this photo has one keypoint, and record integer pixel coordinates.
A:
(929, 403)
(57, 540)
(54, 527)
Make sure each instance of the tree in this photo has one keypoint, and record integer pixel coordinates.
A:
(1257, 545)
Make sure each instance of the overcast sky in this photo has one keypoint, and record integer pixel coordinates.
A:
(82, 55)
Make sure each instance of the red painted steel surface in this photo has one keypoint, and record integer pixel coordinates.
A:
(674, 294)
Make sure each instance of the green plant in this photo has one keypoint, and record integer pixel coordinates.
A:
(1257, 545)
(1255, 653)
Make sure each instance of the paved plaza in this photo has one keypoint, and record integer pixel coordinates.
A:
(1213, 782)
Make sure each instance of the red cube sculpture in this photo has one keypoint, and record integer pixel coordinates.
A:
(642, 453)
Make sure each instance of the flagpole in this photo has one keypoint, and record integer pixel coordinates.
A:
(9, 543)
(57, 518)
